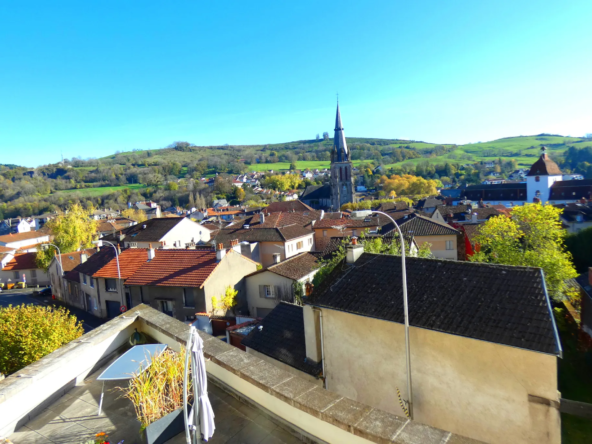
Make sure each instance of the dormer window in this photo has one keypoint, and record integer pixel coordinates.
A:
(537, 179)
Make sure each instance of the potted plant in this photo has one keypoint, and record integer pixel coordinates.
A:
(157, 396)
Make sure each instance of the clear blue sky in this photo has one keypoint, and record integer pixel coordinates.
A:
(90, 78)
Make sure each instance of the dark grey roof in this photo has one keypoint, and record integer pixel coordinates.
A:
(422, 226)
(428, 202)
(281, 336)
(296, 267)
(514, 192)
(495, 303)
(151, 230)
(571, 190)
(316, 192)
(281, 234)
(339, 153)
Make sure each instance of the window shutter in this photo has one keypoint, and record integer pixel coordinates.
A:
(276, 291)
(261, 291)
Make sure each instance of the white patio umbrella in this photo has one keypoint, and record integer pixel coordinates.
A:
(200, 420)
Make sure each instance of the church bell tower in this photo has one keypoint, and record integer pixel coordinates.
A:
(341, 168)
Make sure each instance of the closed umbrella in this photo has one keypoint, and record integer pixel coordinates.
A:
(201, 415)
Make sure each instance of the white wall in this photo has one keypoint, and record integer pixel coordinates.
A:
(292, 245)
(24, 243)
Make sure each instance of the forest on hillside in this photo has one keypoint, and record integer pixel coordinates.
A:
(171, 176)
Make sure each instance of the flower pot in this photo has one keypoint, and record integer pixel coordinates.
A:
(165, 428)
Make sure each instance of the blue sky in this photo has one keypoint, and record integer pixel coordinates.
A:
(90, 78)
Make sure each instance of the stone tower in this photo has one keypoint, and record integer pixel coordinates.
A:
(341, 168)
(541, 177)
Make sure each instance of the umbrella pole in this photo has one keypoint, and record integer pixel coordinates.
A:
(101, 401)
(185, 379)
(196, 397)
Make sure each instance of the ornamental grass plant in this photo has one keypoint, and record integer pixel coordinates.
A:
(158, 390)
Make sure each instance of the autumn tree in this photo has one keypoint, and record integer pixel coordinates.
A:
(531, 237)
(73, 230)
(133, 214)
(408, 185)
(226, 302)
(30, 332)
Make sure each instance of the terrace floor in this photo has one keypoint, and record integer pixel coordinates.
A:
(73, 419)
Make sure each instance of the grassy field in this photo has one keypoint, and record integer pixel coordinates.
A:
(100, 191)
(301, 165)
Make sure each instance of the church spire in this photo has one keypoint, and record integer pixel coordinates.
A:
(340, 152)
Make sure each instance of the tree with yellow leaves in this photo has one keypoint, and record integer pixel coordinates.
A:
(73, 229)
(531, 237)
(226, 302)
(133, 214)
(407, 185)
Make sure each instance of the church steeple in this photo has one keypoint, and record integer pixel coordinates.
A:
(339, 153)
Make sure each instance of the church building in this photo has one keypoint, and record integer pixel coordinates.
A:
(340, 189)
(544, 183)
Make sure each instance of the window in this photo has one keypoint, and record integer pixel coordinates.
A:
(269, 293)
(300, 245)
(310, 241)
(111, 285)
(449, 245)
(92, 283)
(133, 245)
(324, 233)
(84, 279)
(354, 232)
(33, 274)
(16, 276)
(537, 179)
(166, 307)
(188, 298)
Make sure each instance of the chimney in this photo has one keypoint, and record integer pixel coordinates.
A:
(354, 251)
(121, 236)
(277, 258)
(474, 218)
(220, 252)
(235, 245)
(118, 249)
(83, 258)
(151, 252)
(143, 226)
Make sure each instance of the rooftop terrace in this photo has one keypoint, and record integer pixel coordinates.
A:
(56, 398)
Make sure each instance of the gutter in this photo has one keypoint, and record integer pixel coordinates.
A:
(559, 349)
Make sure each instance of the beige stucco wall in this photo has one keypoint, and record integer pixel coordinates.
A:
(266, 278)
(474, 388)
(231, 271)
(438, 245)
(268, 249)
(42, 278)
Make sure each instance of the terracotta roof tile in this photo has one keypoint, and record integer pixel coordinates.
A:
(17, 237)
(25, 261)
(176, 268)
(72, 260)
(130, 261)
(292, 205)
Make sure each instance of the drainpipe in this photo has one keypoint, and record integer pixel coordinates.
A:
(322, 347)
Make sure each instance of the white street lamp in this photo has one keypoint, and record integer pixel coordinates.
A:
(99, 243)
(406, 310)
(47, 244)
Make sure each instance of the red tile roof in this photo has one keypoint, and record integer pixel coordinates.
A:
(176, 268)
(25, 261)
(130, 261)
(6, 249)
(71, 260)
(16, 237)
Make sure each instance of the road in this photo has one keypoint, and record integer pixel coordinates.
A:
(26, 296)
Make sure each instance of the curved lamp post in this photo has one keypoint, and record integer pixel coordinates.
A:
(99, 243)
(406, 310)
(47, 244)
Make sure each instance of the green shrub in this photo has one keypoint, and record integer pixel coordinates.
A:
(30, 332)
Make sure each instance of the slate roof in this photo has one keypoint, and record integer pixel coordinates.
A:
(155, 230)
(327, 246)
(280, 336)
(25, 261)
(282, 234)
(295, 267)
(316, 192)
(392, 206)
(422, 226)
(176, 268)
(571, 190)
(95, 262)
(454, 210)
(72, 276)
(495, 303)
(484, 213)
(428, 202)
(281, 219)
(514, 192)
(544, 166)
(292, 205)
(130, 261)
(472, 230)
